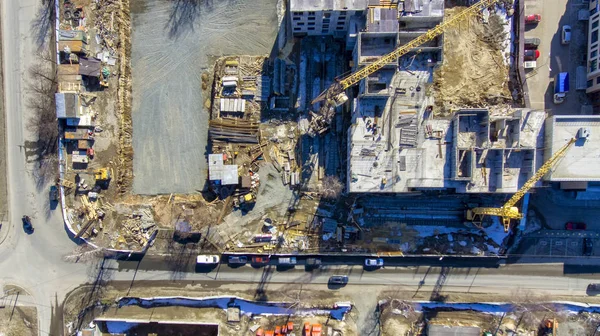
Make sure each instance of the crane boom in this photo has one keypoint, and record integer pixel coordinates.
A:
(509, 211)
(334, 95)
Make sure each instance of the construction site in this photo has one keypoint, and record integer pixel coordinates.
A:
(377, 126)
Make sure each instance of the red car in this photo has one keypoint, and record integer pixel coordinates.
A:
(575, 226)
(533, 19)
(260, 260)
(531, 55)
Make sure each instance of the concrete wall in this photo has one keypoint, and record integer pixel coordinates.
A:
(321, 22)
(593, 49)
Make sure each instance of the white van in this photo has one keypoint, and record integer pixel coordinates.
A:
(207, 259)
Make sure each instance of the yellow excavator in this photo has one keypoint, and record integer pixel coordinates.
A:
(334, 95)
(509, 211)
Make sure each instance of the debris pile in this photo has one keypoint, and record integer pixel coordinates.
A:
(474, 73)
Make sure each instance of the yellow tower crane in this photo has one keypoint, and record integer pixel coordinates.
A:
(335, 96)
(509, 211)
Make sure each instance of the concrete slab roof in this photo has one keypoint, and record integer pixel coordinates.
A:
(582, 160)
(323, 5)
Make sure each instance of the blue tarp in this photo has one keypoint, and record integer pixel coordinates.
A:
(561, 82)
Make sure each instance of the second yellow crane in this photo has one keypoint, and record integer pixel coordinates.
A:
(509, 211)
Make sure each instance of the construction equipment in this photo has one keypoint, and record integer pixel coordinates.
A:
(548, 327)
(334, 95)
(509, 211)
(66, 183)
(102, 174)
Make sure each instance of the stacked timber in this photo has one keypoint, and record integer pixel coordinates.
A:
(233, 130)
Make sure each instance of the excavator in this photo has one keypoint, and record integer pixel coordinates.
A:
(509, 211)
(335, 96)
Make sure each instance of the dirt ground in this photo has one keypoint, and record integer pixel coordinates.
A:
(79, 298)
(172, 45)
(473, 73)
(21, 322)
(529, 314)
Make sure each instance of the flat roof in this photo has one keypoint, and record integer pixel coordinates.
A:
(582, 160)
(321, 5)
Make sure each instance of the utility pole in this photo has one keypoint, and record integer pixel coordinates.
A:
(14, 306)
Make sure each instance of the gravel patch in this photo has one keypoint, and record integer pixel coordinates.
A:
(172, 44)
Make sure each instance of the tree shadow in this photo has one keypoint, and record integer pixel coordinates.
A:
(43, 22)
(41, 87)
(183, 16)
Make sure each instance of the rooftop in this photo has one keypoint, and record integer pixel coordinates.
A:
(389, 153)
(323, 5)
(582, 160)
(382, 19)
(420, 8)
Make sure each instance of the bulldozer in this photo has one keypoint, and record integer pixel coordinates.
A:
(102, 174)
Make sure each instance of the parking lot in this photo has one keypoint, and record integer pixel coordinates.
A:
(555, 57)
(559, 243)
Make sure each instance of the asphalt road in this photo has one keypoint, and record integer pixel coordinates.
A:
(555, 57)
(31, 261)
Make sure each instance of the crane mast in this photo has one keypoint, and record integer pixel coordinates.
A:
(334, 95)
(509, 211)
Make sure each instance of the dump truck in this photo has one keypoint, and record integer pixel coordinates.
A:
(561, 87)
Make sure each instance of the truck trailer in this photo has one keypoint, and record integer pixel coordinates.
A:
(561, 87)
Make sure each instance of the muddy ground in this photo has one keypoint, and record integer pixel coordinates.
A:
(22, 321)
(172, 45)
(81, 297)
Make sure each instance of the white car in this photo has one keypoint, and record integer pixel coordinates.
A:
(566, 34)
(374, 262)
(208, 259)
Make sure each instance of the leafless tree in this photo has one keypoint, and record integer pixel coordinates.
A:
(331, 187)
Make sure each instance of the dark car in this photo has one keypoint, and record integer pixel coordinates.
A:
(53, 193)
(531, 55)
(532, 43)
(338, 279)
(593, 289)
(575, 226)
(588, 246)
(238, 259)
(27, 224)
(260, 260)
(533, 19)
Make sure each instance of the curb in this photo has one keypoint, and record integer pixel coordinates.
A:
(3, 229)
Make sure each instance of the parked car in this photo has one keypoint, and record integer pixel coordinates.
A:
(532, 43)
(207, 259)
(593, 289)
(288, 261)
(27, 224)
(533, 19)
(374, 262)
(566, 34)
(338, 279)
(53, 193)
(315, 262)
(588, 246)
(529, 65)
(531, 55)
(238, 259)
(575, 226)
(261, 260)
